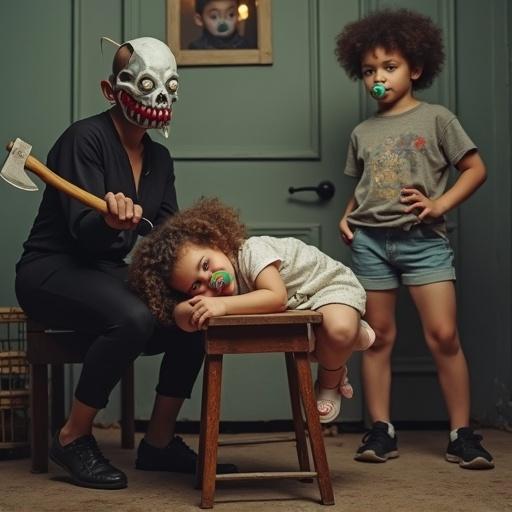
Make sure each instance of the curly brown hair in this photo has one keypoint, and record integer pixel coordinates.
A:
(207, 223)
(412, 34)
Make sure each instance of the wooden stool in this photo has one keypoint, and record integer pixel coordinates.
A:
(254, 334)
(56, 348)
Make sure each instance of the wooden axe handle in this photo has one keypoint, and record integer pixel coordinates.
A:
(49, 177)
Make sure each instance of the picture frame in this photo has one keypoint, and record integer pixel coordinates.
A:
(182, 31)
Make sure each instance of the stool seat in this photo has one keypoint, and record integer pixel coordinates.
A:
(54, 348)
(286, 333)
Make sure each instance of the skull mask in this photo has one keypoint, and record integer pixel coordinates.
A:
(146, 88)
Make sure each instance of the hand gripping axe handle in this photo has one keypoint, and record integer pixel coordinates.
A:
(19, 159)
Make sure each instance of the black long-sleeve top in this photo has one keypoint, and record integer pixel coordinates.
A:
(90, 154)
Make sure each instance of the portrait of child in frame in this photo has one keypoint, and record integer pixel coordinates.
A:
(219, 32)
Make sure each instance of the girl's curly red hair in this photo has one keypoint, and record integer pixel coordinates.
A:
(208, 223)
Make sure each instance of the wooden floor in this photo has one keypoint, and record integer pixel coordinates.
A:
(420, 480)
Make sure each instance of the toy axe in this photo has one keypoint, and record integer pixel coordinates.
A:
(20, 159)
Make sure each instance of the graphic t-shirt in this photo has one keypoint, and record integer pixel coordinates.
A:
(414, 149)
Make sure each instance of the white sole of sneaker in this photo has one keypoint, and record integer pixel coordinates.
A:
(371, 456)
(477, 463)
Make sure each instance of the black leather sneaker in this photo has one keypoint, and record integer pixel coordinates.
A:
(176, 457)
(85, 463)
(378, 445)
(467, 450)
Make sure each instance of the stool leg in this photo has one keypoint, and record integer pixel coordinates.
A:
(315, 430)
(210, 428)
(202, 430)
(128, 409)
(39, 417)
(57, 397)
(298, 421)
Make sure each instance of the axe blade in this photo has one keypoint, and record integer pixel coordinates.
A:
(13, 170)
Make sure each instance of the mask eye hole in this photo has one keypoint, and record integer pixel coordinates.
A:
(172, 85)
(146, 85)
(124, 76)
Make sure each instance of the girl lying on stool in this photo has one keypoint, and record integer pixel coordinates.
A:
(200, 264)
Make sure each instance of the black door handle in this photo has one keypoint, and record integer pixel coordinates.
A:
(325, 190)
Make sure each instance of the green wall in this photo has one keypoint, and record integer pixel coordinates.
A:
(483, 102)
(264, 128)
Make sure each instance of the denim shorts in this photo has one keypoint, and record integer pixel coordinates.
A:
(382, 258)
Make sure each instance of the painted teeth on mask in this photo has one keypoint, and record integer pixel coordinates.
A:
(142, 115)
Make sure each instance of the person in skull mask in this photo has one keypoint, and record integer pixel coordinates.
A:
(72, 273)
(219, 20)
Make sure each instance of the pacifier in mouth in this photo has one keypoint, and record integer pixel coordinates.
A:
(219, 280)
(378, 91)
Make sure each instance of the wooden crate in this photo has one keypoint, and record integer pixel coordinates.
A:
(14, 380)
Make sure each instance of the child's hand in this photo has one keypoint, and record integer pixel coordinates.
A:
(346, 233)
(204, 308)
(417, 201)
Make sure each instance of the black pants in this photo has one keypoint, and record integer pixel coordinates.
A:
(61, 292)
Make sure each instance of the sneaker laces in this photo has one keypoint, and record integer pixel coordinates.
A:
(375, 435)
(470, 440)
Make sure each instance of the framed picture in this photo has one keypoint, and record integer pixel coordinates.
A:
(219, 32)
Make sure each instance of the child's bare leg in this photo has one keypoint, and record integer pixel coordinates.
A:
(376, 365)
(436, 305)
(335, 340)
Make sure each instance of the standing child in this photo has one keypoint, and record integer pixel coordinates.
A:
(395, 221)
(199, 264)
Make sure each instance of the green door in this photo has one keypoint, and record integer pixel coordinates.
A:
(249, 133)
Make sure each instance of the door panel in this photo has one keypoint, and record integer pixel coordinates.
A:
(256, 112)
(259, 188)
(342, 104)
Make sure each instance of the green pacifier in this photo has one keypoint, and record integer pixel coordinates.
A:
(378, 91)
(219, 280)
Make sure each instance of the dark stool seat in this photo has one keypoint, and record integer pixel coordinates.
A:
(55, 348)
(254, 334)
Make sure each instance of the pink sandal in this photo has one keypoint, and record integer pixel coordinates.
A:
(328, 400)
(360, 346)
